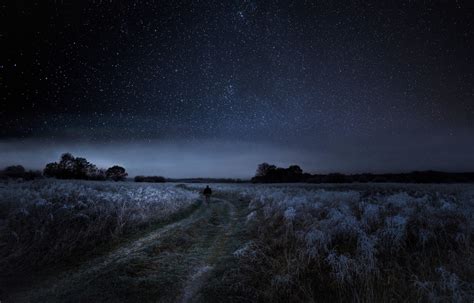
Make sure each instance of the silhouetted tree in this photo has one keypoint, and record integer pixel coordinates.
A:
(264, 169)
(95, 173)
(294, 173)
(65, 167)
(51, 170)
(295, 170)
(270, 173)
(19, 172)
(81, 168)
(116, 173)
(70, 167)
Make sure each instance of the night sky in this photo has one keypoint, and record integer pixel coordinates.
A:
(213, 88)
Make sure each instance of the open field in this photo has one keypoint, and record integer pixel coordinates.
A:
(84, 241)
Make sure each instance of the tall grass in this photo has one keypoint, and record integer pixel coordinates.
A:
(45, 222)
(345, 245)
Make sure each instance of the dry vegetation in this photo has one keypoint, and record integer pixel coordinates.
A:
(45, 222)
(261, 243)
(352, 245)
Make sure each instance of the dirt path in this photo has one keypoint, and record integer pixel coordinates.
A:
(200, 274)
(170, 264)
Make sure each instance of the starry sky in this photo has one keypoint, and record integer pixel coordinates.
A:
(213, 88)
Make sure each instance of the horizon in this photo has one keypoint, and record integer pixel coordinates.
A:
(164, 159)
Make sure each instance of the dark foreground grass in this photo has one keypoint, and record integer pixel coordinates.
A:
(351, 246)
(24, 280)
(291, 244)
(52, 226)
(160, 270)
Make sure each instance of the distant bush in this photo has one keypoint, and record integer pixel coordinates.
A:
(116, 173)
(152, 179)
(19, 172)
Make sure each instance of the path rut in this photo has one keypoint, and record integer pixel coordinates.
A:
(168, 264)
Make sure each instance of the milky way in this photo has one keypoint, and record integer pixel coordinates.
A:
(355, 87)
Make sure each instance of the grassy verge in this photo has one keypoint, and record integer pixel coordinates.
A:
(159, 270)
(15, 283)
(301, 245)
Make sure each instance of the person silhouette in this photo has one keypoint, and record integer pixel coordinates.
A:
(207, 192)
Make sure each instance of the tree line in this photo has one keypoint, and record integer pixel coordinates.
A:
(268, 173)
(70, 167)
(19, 172)
(78, 168)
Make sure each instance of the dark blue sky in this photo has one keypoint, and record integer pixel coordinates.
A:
(222, 86)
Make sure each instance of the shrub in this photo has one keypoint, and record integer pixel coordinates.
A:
(116, 173)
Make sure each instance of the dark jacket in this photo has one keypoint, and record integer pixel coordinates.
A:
(207, 191)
